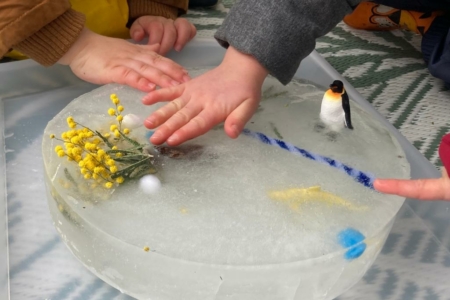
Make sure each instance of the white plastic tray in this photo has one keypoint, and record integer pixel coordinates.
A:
(34, 263)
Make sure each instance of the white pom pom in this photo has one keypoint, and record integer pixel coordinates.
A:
(131, 121)
(149, 184)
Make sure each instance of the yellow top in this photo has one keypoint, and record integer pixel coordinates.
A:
(105, 17)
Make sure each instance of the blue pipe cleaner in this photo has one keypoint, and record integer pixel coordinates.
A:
(360, 177)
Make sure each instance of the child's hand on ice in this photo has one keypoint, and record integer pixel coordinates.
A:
(101, 60)
(166, 32)
(231, 92)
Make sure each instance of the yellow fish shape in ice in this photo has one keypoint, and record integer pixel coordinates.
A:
(297, 196)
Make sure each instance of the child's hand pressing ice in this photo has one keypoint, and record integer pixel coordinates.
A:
(230, 92)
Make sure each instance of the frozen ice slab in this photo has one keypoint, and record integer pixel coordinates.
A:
(238, 218)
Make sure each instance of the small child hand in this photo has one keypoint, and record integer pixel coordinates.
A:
(231, 92)
(101, 60)
(423, 189)
(166, 32)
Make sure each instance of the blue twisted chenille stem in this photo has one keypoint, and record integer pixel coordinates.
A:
(360, 177)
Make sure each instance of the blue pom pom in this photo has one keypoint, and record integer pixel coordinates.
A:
(149, 134)
(353, 239)
(350, 237)
(355, 251)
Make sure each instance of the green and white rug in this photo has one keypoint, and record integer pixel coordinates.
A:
(385, 67)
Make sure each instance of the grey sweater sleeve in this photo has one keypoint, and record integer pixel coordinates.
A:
(280, 33)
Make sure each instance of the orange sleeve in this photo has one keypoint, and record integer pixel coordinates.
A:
(53, 40)
(21, 19)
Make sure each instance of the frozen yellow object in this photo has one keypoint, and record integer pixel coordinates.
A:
(297, 196)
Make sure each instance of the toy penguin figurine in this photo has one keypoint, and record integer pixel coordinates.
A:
(335, 109)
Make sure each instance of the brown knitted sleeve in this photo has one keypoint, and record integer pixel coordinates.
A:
(170, 9)
(182, 5)
(20, 19)
(52, 41)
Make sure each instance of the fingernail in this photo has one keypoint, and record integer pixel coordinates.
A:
(149, 134)
(178, 48)
(173, 139)
(378, 184)
(185, 71)
(136, 34)
(186, 78)
(149, 123)
(174, 82)
(155, 136)
(151, 85)
(235, 129)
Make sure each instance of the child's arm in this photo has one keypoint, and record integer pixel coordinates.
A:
(280, 33)
(49, 31)
(159, 21)
(271, 36)
(34, 27)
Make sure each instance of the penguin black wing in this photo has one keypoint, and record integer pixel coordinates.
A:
(346, 107)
